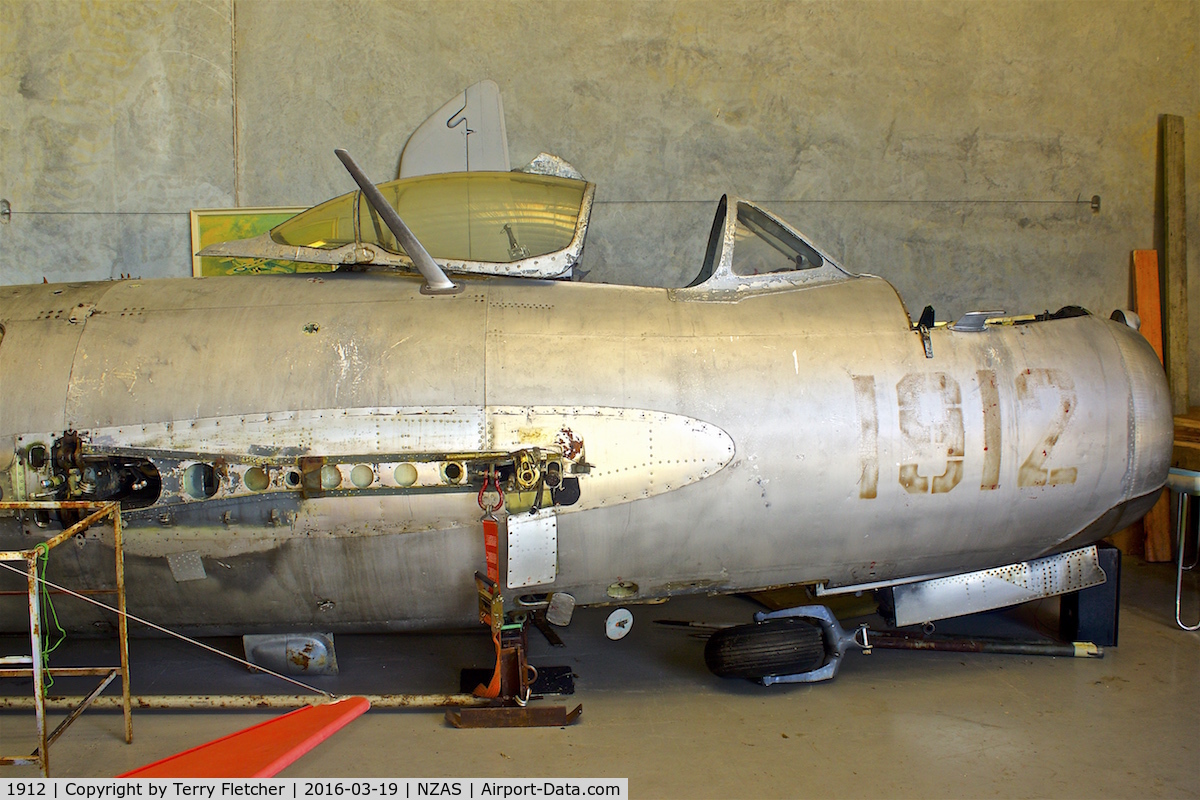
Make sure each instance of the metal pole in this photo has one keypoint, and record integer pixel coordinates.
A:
(254, 702)
(436, 281)
(899, 640)
(1181, 525)
(35, 642)
(122, 620)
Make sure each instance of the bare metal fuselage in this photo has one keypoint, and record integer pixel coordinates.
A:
(797, 435)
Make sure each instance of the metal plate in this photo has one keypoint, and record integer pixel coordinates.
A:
(186, 566)
(508, 717)
(999, 587)
(532, 549)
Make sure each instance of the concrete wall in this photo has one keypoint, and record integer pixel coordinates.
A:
(951, 147)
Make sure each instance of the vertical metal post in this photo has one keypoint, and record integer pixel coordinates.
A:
(35, 643)
(122, 619)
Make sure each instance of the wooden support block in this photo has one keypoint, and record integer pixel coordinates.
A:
(1147, 298)
(1175, 257)
(1130, 541)
(1157, 524)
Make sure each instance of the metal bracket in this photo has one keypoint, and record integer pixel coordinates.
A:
(837, 642)
(925, 340)
(513, 716)
(975, 321)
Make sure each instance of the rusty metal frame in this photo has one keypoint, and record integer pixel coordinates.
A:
(37, 670)
(251, 702)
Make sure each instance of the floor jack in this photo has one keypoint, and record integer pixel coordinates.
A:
(513, 679)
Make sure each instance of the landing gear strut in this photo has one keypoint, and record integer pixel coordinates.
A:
(795, 645)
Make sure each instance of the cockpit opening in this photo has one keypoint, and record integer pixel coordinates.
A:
(755, 251)
(763, 246)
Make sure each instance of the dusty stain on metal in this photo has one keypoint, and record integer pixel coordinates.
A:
(868, 415)
(990, 395)
(928, 431)
(1033, 470)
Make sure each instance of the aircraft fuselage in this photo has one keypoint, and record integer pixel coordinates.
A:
(317, 444)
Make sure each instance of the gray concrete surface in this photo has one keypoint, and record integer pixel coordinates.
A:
(893, 724)
(951, 147)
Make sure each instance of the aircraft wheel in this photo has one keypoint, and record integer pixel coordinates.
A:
(773, 647)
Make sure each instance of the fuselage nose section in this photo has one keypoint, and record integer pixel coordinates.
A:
(1151, 423)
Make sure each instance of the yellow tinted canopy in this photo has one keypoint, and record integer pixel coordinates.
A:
(496, 217)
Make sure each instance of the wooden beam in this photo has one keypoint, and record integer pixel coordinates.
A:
(1147, 298)
(1187, 441)
(1154, 535)
(1175, 261)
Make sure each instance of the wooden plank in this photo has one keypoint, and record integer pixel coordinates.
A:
(1149, 537)
(1147, 298)
(1187, 430)
(1175, 258)
(1187, 441)
(1186, 456)
(1154, 530)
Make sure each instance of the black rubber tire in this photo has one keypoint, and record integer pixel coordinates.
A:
(772, 647)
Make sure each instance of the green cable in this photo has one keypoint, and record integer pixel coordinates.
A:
(48, 613)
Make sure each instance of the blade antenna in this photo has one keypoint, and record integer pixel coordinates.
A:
(436, 281)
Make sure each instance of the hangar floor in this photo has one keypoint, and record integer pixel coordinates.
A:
(893, 724)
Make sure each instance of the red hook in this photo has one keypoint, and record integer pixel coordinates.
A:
(490, 477)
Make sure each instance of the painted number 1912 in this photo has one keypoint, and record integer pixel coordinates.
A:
(930, 417)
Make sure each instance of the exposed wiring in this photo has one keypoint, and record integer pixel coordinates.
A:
(48, 614)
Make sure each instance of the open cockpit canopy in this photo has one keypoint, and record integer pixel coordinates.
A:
(495, 223)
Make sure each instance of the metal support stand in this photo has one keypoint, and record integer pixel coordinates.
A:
(39, 670)
(1185, 483)
(511, 686)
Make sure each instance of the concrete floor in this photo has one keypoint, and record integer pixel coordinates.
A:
(893, 724)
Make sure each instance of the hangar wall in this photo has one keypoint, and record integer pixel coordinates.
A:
(951, 147)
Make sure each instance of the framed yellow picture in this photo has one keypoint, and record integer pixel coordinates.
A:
(212, 225)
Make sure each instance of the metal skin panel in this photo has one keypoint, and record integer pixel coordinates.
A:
(851, 457)
(532, 549)
(984, 590)
(198, 349)
(778, 373)
(36, 353)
